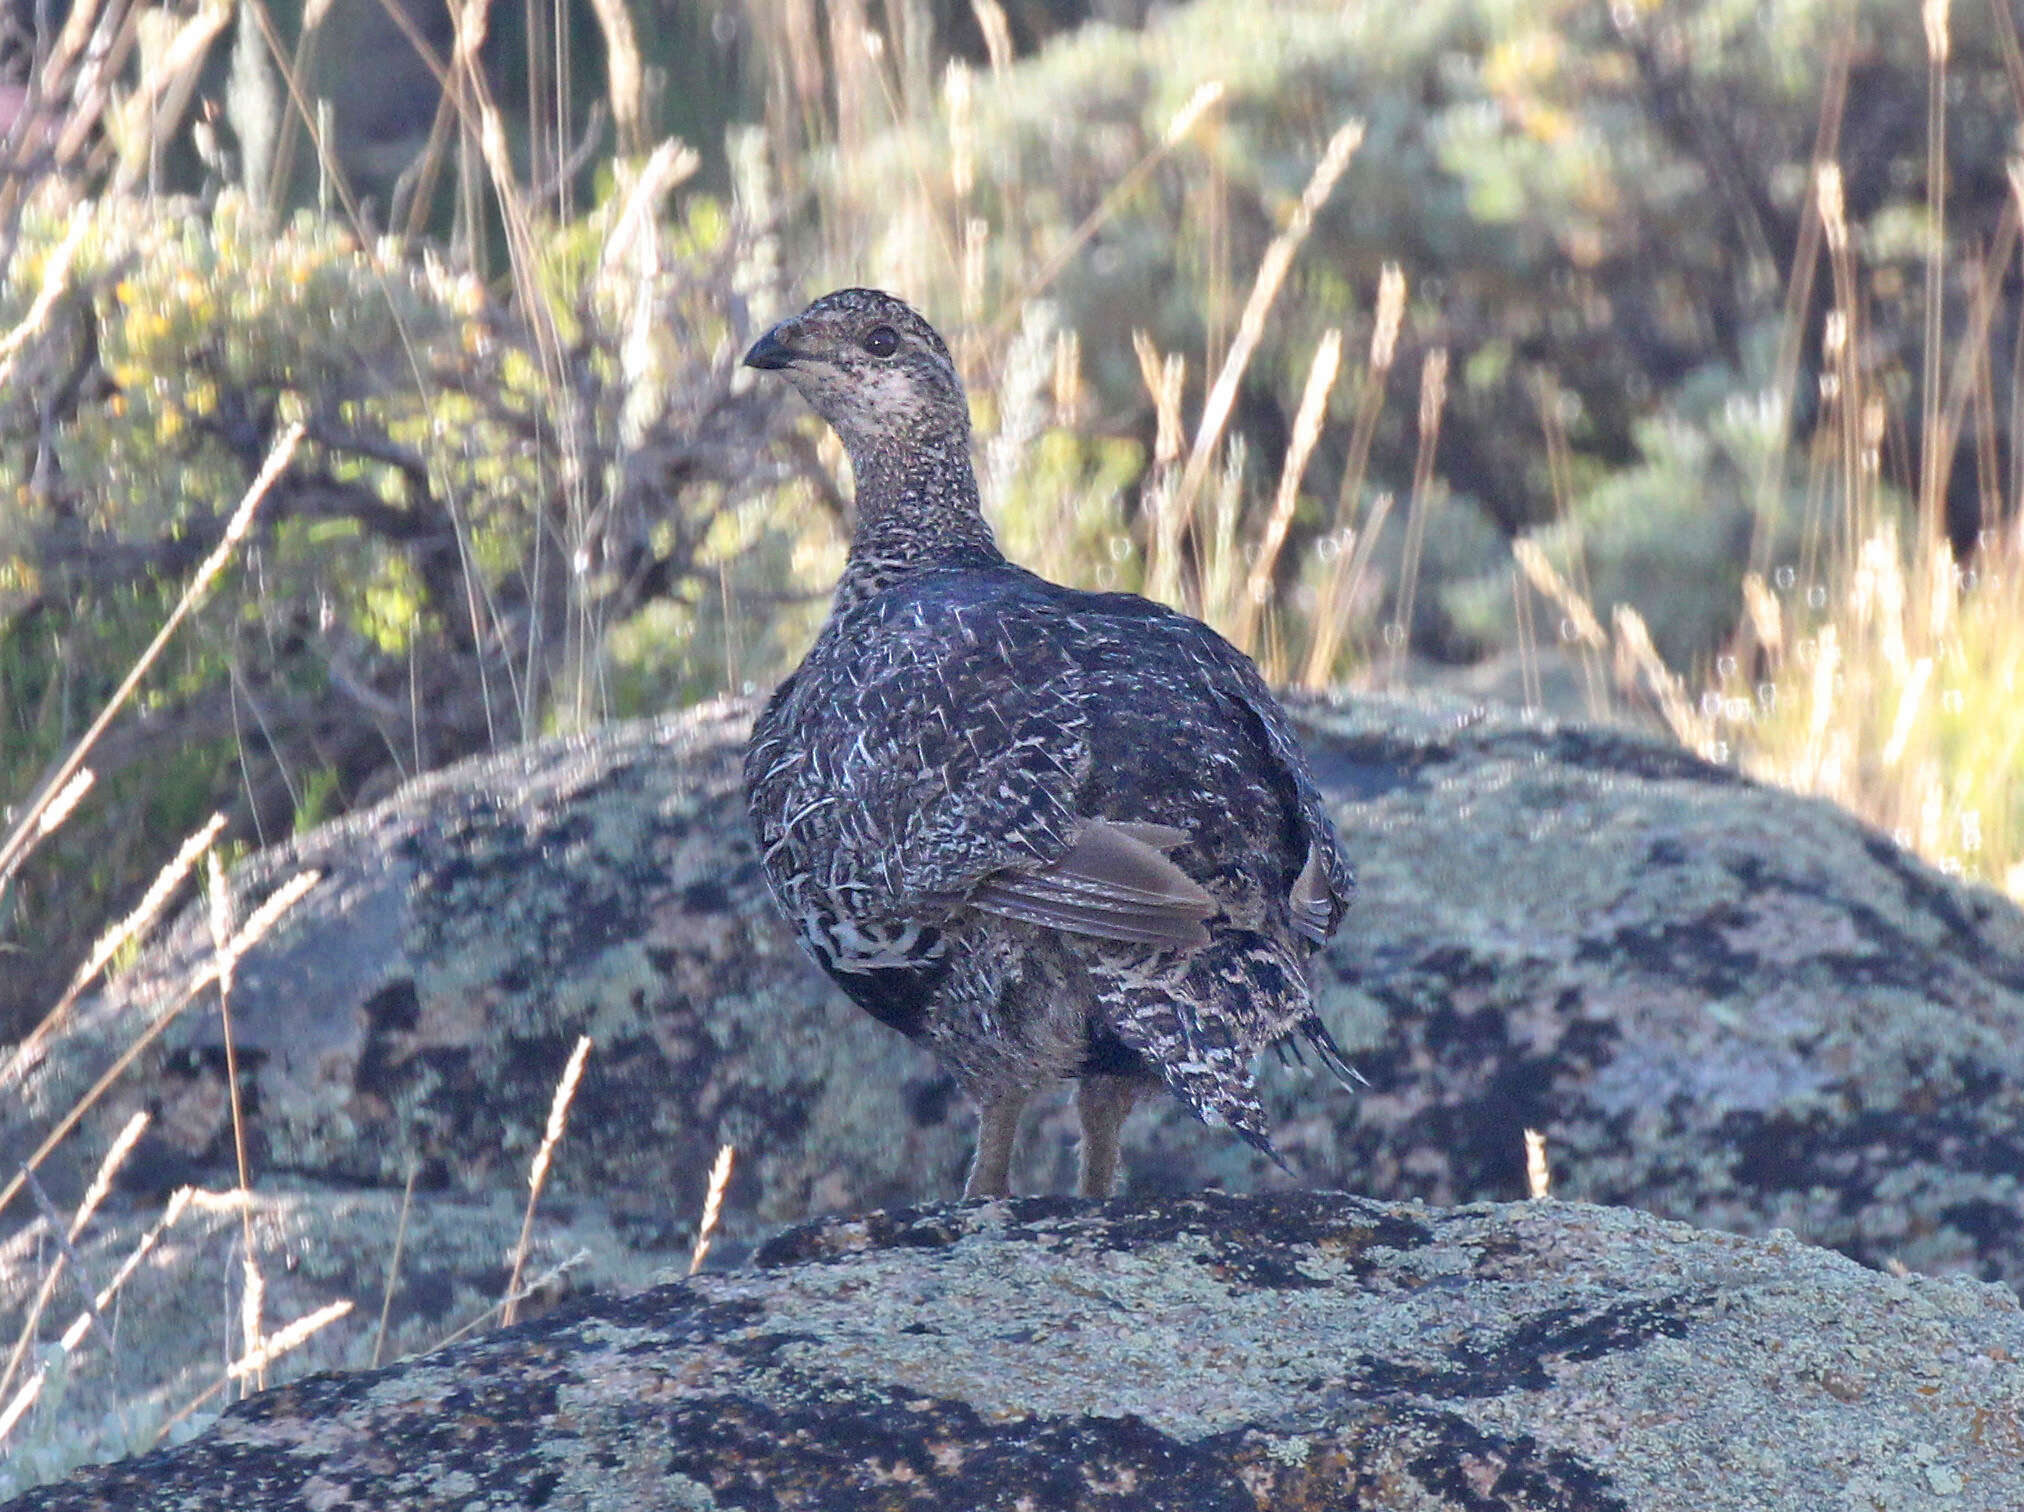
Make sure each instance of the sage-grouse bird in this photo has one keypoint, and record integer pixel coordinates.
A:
(1048, 833)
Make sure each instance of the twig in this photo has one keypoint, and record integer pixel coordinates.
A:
(379, 1338)
(1184, 122)
(1433, 398)
(1306, 432)
(1538, 1174)
(541, 1282)
(220, 911)
(74, 1334)
(167, 880)
(115, 1157)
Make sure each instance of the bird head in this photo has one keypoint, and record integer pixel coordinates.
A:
(869, 366)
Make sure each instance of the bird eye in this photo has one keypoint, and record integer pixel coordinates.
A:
(881, 341)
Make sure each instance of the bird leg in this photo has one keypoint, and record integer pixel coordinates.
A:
(997, 1128)
(1104, 1103)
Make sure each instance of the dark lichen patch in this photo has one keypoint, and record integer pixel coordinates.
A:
(1368, 767)
(1246, 1236)
(1949, 1127)
(1616, 754)
(1695, 952)
(1518, 1359)
(1473, 1471)
(1889, 955)
(1262, 1242)
(930, 1100)
(1572, 1333)
(1255, 1241)
(1942, 901)
(1995, 1227)
(675, 1312)
(836, 1239)
(859, 1450)
(394, 1007)
(707, 896)
(1857, 1164)
(1476, 1088)
(467, 1436)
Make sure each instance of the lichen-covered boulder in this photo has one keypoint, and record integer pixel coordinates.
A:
(410, 1282)
(1211, 1354)
(1715, 1001)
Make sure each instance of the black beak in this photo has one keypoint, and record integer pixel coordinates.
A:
(769, 352)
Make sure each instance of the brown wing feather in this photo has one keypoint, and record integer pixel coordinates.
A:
(1114, 883)
(1309, 899)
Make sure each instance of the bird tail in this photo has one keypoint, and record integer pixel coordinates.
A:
(1196, 1055)
(1316, 1034)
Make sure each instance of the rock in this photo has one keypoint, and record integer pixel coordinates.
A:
(1295, 1350)
(177, 1320)
(1718, 1002)
(417, 1008)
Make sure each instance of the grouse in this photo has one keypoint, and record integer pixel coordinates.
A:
(1049, 833)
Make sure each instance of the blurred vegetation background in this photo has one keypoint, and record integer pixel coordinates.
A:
(1642, 360)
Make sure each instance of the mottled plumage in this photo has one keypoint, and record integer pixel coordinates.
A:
(1048, 833)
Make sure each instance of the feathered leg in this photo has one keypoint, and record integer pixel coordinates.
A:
(997, 1129)
(1104, 1102)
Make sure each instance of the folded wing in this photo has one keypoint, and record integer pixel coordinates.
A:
(1115, 883)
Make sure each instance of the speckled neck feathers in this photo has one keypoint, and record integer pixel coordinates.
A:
(917, 507)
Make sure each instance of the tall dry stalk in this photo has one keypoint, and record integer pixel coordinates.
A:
(1307, 420)
(1933, 483)
(1433, 401)
(27, 828)
(713, 1207)
(95, 1194)
(1165, 377)
(1346, 548)
(1179, 129)
(67, 1343)
(625, 74)
(537, 1175)
(1799, 289)
(1345, 555)
(1265, 286)
(256, 928)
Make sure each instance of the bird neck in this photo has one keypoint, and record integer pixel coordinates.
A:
(917, 509)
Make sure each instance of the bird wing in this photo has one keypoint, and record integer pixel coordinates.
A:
(934, 750)
(1326, 884)
(1114, 883)
(929, 742)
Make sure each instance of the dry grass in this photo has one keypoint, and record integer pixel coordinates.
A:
(1877, 670)
(1874, 670)
(537, 1174)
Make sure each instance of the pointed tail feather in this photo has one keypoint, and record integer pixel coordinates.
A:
(1196, 1055)
(1221, 1103)
(1331, 1054)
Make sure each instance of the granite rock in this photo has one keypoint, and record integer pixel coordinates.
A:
(1718, 1003)
(1283, 1351)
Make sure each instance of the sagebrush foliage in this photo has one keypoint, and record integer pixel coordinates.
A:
(490, 493)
